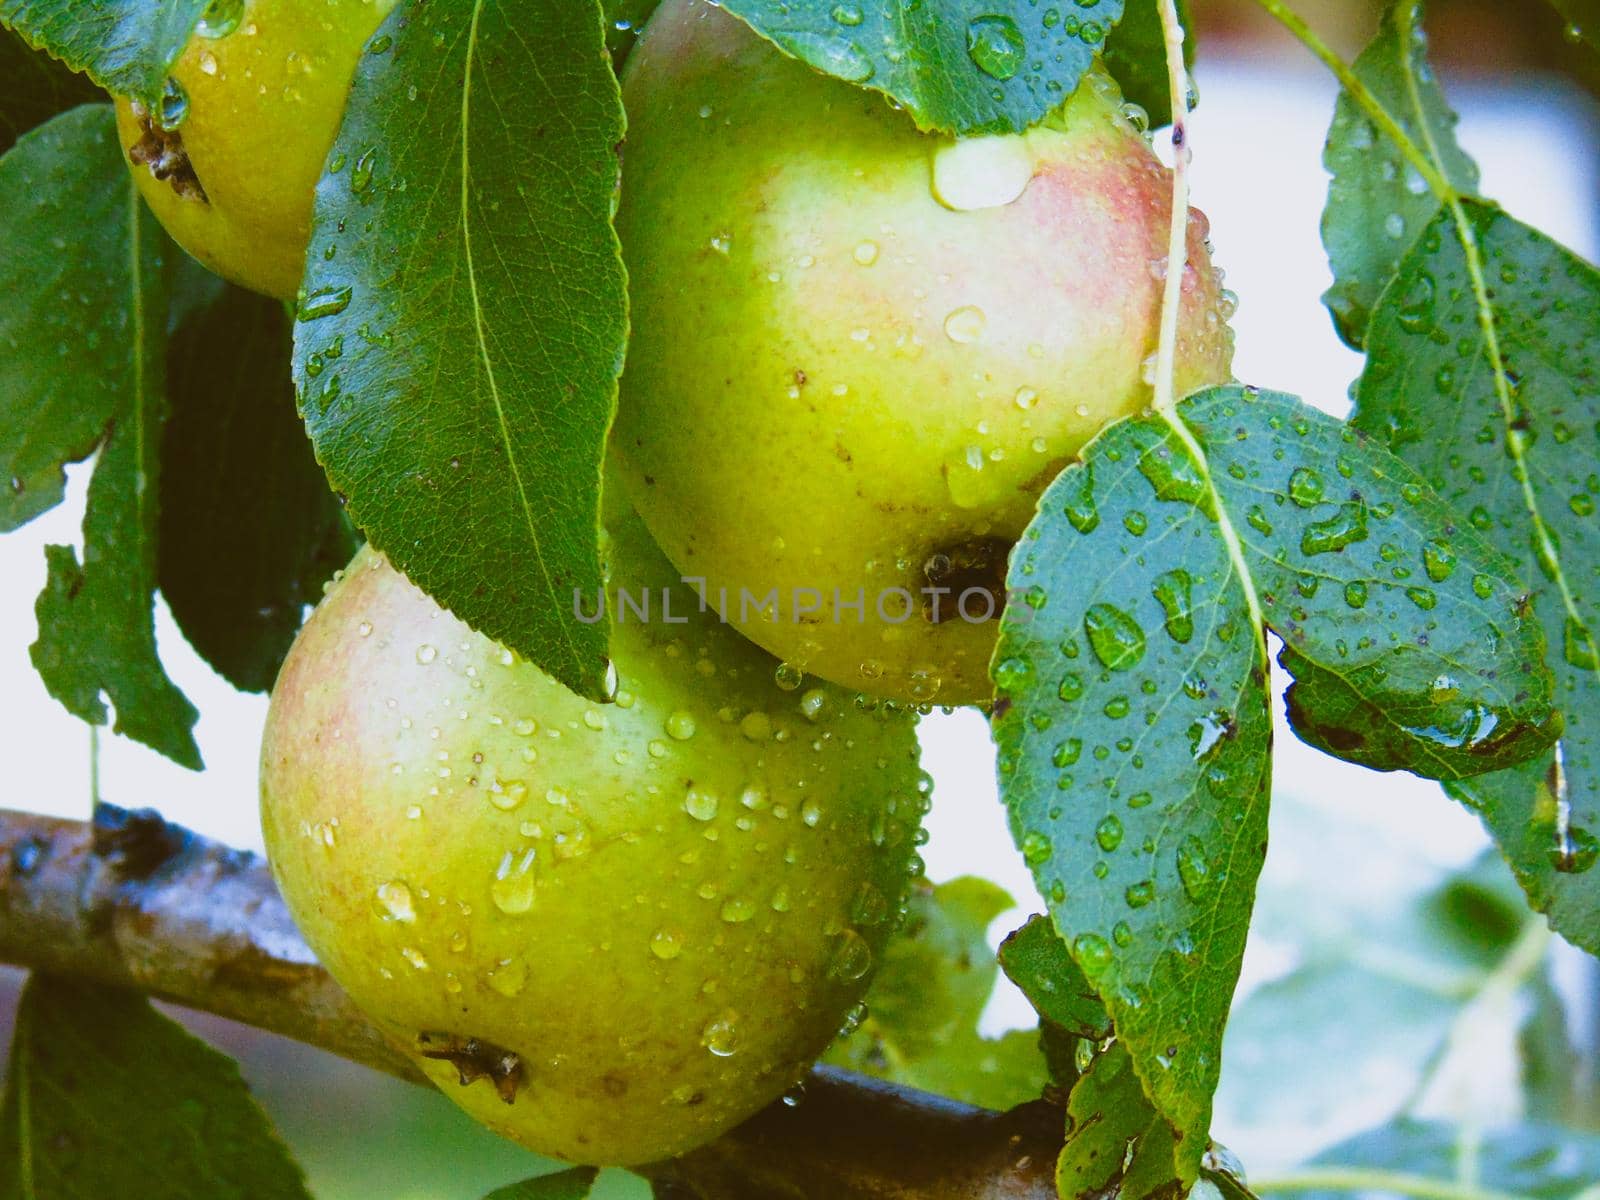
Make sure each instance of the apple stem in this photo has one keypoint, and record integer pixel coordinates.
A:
(1166, 398)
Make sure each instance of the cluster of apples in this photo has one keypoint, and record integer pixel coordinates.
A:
(860, 353)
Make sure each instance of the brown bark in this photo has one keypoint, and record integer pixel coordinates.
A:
(132, 900)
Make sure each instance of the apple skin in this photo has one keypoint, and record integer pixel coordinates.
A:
(264, 102)
(836, 381)
(664, 907)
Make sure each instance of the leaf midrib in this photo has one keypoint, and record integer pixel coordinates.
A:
(480, 334)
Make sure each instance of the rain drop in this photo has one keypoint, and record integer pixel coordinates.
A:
(324, 302)
(1306, 487)
(1036, 848)
(666, 944)
(1108, 834)
(1172, 590)
(1092, 952)
(721, 1035)
(1193, 869)
(965, 325)
(1116, 638)
(513, 886)
(996, 46)
(395, 904)
(851, 957)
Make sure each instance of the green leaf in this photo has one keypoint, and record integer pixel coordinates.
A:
(963, 66)
(1037, 961)
(107, 1097)
(193, 288)
(1514, 447)
(1134, 749)
(93, 323)
(1117, 1144)
(1136, 55)
(575, 1184)
(1552, 1066)
(464, 315)
(1532, 1160)
(1377, 203)
(34, 88)
(1228, 1179)
(1435, 970)
(249, 529)
(1409, 635)
(126, 46)
(921, 1028)
(1133, 722)
(68, 321)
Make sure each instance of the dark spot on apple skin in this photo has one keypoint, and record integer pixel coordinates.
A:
(474, 1059)
(975, 565)
(161, 151)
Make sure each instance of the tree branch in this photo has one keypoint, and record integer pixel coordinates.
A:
(134, 901)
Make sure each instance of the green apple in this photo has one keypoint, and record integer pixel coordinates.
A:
(229, 160)
(607, 931)
(861, 352)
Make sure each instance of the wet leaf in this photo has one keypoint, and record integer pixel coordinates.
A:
(1117, 1144)
(922, 1012)
(463, 319)
(94, 323)
(107, 1097)
(249, 529)
(1410, 637)
(1378, 205)
(126, 46)
(1134, 750)
(1132, 719)
(1038, 961)
(62, 186)
(1516, 448)
(964, 66)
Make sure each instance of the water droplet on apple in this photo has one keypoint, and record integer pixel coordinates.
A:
(981, 172)
(666, 944)
(394, 902)
(700, 804)
(721, 1035)
(514, 883)
(965, 325)
(851, 957)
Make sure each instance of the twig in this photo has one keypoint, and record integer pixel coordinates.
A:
(1364, 99)
(134, 901)
(1178, 241)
